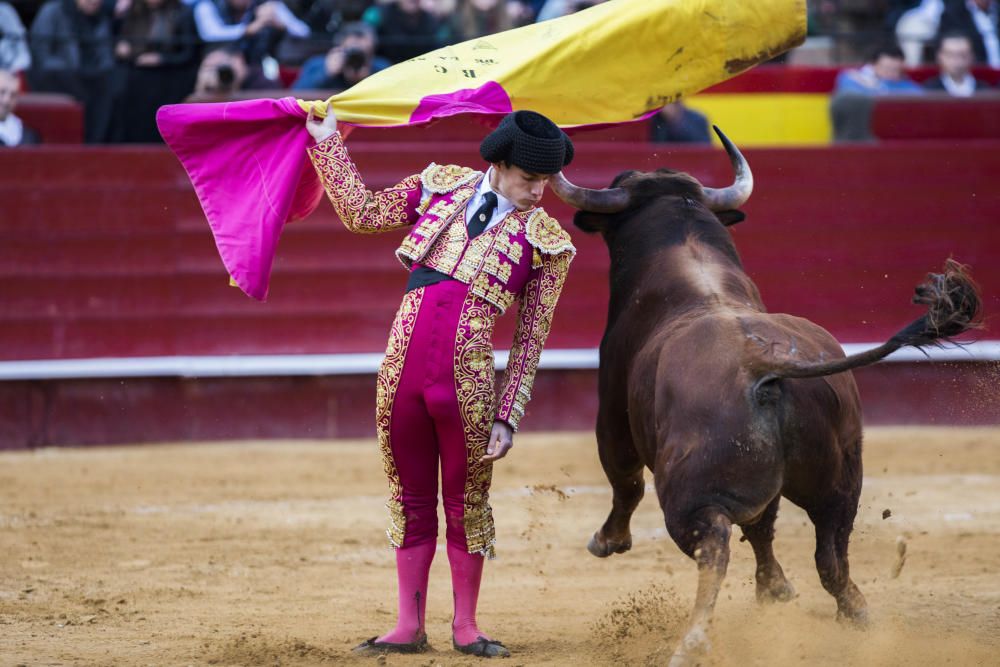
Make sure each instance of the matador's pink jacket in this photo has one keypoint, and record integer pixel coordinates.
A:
(525, 256)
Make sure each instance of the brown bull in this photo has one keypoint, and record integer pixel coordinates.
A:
(730, 406)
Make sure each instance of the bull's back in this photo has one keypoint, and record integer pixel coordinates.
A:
(694, 403)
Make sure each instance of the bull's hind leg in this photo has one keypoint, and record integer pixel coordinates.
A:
(624, 471)
(704, 537)
(833, 532)
(772, 586)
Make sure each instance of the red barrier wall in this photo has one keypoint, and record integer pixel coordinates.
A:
(105, 252)
(58, 119)
(936, 117)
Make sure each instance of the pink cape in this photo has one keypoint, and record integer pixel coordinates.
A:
(248, 163)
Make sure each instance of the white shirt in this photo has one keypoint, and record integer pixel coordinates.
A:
(11, 131)
(504, 205)
(986, 24)
(964, 88)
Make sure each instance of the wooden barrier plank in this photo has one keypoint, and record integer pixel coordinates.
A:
(137, 410)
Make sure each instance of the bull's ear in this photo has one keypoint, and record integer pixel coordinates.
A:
(591, 222)
(730, 218)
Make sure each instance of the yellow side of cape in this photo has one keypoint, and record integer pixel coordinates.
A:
(610, 63)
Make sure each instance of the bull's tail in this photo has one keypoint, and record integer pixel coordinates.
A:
(953, 307)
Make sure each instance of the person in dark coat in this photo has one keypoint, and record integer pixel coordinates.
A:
(405, 30)
(71, 52)
(351, 60)
(954, 58)
(675, 123)
(158, 53)
(980, 21)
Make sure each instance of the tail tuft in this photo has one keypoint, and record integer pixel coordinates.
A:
(953, 307)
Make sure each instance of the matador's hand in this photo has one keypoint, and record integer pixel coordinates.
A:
(501, 440)
(321, 129)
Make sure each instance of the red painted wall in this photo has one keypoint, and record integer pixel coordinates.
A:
(135, 410)
(105, 252)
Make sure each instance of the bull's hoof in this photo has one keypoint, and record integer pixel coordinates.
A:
(775, 591)
(693, 649)
(855, 618)
(603, 548)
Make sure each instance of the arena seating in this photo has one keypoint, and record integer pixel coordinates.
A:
(767, 105)
(57, 118)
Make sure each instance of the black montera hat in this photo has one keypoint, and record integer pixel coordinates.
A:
(530, 141)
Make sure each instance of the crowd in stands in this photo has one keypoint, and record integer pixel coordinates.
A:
(122, 59)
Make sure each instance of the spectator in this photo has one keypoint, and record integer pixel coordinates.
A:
(893, 12)
(678, 124)
(14, 54)
(954, 58)
(325, 17)
(445, 13)
(978, 19)
(13, 132)
(553, 9)
(71, 52)
(477, 18)
(882, 75)
(158, 51)
(405, 30)
(916, 28)
(350, 60)
(221, 74)
(522, 12)
(254, 27)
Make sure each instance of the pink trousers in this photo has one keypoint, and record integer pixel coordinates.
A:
(436, 401)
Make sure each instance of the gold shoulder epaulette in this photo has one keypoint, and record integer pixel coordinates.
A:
(546, 234)
(443, 178)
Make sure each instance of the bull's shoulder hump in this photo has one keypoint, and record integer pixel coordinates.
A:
(444, 178)
(546, 234)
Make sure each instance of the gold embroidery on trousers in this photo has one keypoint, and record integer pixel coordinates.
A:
(476, 391)
(387, 382)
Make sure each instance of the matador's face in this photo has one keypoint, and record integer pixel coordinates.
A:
(523, 188)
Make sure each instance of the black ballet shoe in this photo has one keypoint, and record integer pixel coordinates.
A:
(483, 648)
(374, 647)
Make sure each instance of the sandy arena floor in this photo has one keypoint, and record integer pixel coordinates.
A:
(273, 554)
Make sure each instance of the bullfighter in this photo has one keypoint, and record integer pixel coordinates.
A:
(475, 244)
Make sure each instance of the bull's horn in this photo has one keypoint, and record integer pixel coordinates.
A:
(608, 200)
(727, 199)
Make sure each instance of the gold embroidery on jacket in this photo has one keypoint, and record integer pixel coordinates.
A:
(534, 320)
(443, 178)
(446, 252)
(475, 388)
(387, 382)
(547, 235)
(360, 209)
(423, 235)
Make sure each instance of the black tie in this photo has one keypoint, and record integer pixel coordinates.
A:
(482, 215)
